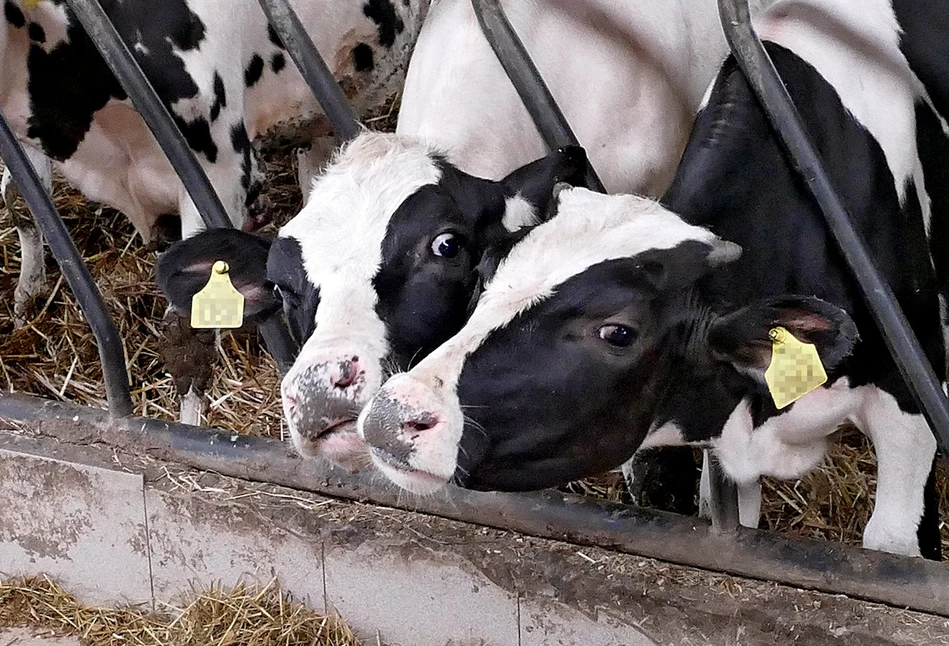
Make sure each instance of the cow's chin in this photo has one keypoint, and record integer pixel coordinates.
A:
(415, 481)
(341, 446)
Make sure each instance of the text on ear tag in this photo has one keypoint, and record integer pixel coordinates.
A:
(795, 369)
(218, 304)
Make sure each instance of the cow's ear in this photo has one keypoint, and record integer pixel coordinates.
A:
(184, 269)
(530, 188)
(492, 258)
(743, 337)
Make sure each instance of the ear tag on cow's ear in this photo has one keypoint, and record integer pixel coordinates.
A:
(218, 304)
(30, 4)
(795, 369)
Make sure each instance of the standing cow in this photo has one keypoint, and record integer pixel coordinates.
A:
(623, 323)
(379, 266)
(216, 65)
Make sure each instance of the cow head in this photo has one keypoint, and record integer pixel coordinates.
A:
(588, 324)
(374, 273)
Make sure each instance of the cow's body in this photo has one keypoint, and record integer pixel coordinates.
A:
(217, 67)
(359, 256)
(614, 326)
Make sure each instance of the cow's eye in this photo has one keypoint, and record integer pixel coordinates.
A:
(620, 336)
(446, 245)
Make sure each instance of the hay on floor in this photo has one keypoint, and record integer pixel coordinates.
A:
(245, 615)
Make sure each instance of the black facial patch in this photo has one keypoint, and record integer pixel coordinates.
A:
(220, 97)
(388, 23)
(36, 33)
(300, 296)
(278, 62)
(70, 83)
(423, 298)
(363, 59)
(254, 70)
(14, 15)
(549, 400)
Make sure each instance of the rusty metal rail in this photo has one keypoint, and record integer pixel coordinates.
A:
(913, 583)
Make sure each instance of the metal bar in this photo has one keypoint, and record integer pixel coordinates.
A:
(143, 96)
(111, 354)
(723, 497)
(146, 101)
(312, 67)
(530, 86)
(818, 565)
(770, 90)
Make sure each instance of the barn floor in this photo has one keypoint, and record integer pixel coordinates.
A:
(114, 528)
(54, 356)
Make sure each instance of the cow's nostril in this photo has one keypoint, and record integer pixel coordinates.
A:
(348, 372)
(419, 423)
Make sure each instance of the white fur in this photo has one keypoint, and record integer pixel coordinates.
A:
(518, 213)
(119, 162)
(341, 230)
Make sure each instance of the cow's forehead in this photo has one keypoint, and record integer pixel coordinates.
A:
(590, 228)
(343, 225)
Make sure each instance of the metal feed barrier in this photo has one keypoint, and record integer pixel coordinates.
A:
(912, 583)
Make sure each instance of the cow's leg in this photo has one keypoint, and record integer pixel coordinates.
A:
(905, 517)
(32, 280)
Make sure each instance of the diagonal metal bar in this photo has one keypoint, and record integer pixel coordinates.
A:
(528, 82)
(773, 95)
(80, 281)
(173, 143)
(312, 67)
(143, 96)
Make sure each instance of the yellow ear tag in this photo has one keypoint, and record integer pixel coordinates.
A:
(795, 369)
(218, 304)
(29, 4)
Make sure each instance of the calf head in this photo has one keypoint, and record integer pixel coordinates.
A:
(375, 272)
(573, 349)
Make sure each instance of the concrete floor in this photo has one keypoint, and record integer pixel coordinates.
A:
(25, 637)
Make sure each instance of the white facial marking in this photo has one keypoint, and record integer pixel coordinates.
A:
(518, 213)
(340, 231)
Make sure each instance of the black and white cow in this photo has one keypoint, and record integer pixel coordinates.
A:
(216, 65)
(378, 268)
(623, 323)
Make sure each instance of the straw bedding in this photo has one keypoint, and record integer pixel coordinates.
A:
(55, 356)
(247, 615)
